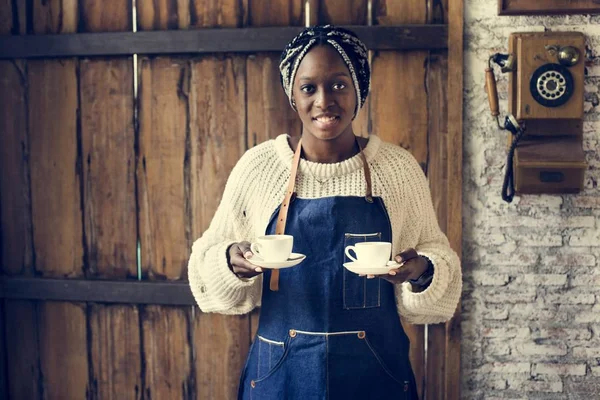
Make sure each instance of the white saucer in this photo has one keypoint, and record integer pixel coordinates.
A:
(362, 270)
(295, 259)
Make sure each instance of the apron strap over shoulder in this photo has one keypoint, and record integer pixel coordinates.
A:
(369, 194)
(285, 206)
(283, 211)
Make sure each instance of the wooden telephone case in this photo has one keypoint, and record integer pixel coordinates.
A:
(547, 98)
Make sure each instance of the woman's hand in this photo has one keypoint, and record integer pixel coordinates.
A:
(412, 266)
(237, 256)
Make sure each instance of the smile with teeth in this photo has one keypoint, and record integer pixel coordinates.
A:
(326, 119)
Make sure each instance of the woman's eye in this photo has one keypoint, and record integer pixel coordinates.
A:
(339, 86)
(307, 88)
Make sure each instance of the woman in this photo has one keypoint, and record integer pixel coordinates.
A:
(325, 332)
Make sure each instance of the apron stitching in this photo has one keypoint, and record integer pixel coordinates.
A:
(344, 288)
(364, 293)
(327, 333)
(278, 364)
(327, 365)
(381, 364)
(258, 364)
(270, 341)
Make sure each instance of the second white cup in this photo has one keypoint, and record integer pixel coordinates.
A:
(273, 248)
(370, 254)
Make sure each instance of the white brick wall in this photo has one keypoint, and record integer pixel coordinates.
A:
(531, 304)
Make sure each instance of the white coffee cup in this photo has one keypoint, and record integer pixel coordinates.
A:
(273, 248)
(370, 254)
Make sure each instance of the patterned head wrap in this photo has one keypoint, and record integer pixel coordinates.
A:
(352, 50)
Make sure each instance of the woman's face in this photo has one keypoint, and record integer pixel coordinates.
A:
(324, 94)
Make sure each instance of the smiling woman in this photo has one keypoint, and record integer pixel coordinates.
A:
(321, 325)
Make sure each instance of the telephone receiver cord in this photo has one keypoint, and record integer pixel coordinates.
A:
(508, 186)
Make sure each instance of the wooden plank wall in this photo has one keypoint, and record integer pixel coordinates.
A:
(84, 186)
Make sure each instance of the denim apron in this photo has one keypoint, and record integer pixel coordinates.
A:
(328, 333)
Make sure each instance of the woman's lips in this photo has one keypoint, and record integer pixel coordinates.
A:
(326, 122)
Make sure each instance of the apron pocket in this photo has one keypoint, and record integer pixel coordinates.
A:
(356, 370)
(269, 354)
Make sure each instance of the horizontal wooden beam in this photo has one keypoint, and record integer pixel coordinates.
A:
(98, 291)
(201, 41)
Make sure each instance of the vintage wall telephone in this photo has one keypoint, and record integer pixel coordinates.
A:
(545, 112)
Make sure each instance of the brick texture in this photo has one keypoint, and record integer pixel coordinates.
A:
(531, 303)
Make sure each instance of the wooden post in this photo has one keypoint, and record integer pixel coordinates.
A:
(454, 167)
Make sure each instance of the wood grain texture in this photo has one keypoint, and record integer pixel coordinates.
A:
(189, 14)
(55, 16)
(221, 349)
(254, 320)
(107, 135)
(163, 125)
(276, 13)
(6, 17)
(13, 17)
(399, 110)
(16, 244)
(63, 350)
(56, 204)
(269, 110)
(55, 183)
(22, 351)
(15, 204)
(115, 352)
(57, 222)
(165, 221)
(168, 355)
(218, 125)
(108, 154)
(454, 166)
(97, 16)
(343, 12)
(217, 104)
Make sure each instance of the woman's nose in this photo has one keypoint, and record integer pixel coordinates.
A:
(324, 99)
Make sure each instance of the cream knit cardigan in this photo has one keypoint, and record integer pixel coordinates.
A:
(255, 189)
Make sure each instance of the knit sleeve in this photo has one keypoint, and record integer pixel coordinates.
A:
(213, 284)
(438, 302)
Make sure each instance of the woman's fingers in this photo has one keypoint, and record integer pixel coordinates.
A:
(406, 255)
(239, 253)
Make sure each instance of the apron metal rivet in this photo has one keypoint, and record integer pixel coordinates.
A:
(292, 333)
(253, 384)
(361, 334)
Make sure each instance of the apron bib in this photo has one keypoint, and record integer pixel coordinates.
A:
(328, 333)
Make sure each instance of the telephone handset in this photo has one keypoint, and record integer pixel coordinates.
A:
(545, 99)
(506, 62)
